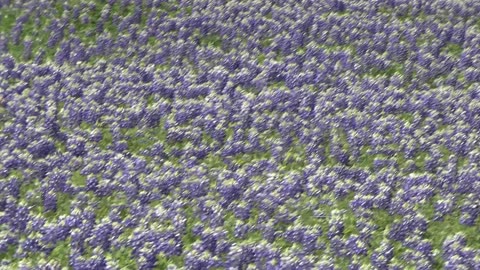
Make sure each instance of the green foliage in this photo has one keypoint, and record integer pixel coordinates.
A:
(366, 159)
(107, 139)
(420, 160)
(8, 254)
(105, 204)
(189, 238)
(61, 253)
(63, 203)
(214, 161)
(382, 219)
(211, 40)
(261, 58)
(389, 71)
(407, 117)
(454, 49)
(266, 42)
(78, 179)
(123, 258)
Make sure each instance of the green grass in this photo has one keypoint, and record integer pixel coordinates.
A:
(214, 162)
(189, 238)
(266, 42)
(78, 179)
(389, 71)
(107, 139)
(61, 253)
(123, 258)
(211, 40)
(420, 160)
(261, 58)
(454, 49)
(407, 117)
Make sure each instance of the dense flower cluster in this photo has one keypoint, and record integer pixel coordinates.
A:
(215, 134)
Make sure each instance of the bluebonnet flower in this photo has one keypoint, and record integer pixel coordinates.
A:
(3, 44)
(336, 224)
(470, 210)
(242, 211)
(27, 49)
(42, 148)
(382, 256)
(407, 226)
(76, 146)
(453, 244)
(49, 201)
(294, 234)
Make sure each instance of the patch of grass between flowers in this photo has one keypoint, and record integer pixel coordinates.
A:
(107, 139)
(61, 253)
(454, 49)
(123, 258)
(78, 179)
(163, 261)
(214, 161)
(211, 40)
(382, 219)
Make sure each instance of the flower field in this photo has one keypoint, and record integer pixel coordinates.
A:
(217, 134)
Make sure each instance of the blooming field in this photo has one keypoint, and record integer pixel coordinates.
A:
(215, 134)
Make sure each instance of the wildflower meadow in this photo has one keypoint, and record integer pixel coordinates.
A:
(249, 134)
